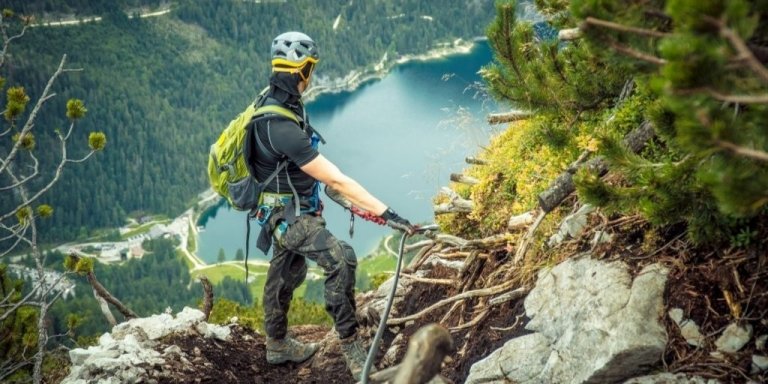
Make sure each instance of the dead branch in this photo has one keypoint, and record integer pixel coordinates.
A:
(427, 280)
(591, 21)
(487, 242)
(563, 185)
(569, 34)
(101, 291)
(207, 296)
(509, 296)
(746, 152)
(508, 117)
(631, 52)
(742, 49)
(426, 351)
(738, 99)
(520, 221)
(523, 247)
(475, 321)
(455, 204)
(418, 245)
(515, 324)
(468, 262)
(420, 258)
(475, 160)
(104, 306)
(450, 240)
(457, 255)
(474, 273)
(464, 179)
(465, 295)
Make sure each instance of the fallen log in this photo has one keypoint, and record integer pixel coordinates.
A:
(455, 204)
(508, 117)
(464, 179)
(563, 185)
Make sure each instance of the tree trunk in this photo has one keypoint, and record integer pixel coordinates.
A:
(105, 308)
(101, 291)
(207, 296)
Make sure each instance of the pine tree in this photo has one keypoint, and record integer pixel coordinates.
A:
(239, 255)
(694, 70)
(221, 256)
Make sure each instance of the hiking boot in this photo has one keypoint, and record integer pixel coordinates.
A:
(289, 349)
(355, 355)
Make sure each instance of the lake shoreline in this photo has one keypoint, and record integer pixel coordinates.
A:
(356, 78)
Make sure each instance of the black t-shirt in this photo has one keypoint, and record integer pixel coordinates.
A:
(285, 139)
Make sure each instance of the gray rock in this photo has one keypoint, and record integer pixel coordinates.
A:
(523, 358)
(760, 362)
(688, 328)
(572, 226)
(79, 355)
(760, 342)
(123, 355)
(669, 378)
(592, 323)
(734, 338)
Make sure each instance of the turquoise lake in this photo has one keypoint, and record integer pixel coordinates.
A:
(400, 137)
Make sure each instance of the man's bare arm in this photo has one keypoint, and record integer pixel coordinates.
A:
(328, 173)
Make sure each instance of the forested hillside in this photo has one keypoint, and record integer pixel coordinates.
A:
(162, 88)
(79, 8)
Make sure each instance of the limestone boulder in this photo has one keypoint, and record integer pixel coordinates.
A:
(591, 323)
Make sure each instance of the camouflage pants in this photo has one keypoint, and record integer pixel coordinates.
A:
(308, 238)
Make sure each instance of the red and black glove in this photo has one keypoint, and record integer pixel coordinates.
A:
(396, 221)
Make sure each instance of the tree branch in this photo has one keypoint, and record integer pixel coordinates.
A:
(741, 48)
(635, 53)
(33, 115)
(623, 28)
(101, 291)
(747, 152)
(739, 99)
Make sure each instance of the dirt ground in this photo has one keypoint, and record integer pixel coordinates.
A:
(243, 360)
(714, 288)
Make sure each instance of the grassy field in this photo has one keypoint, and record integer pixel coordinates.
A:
(258, 273)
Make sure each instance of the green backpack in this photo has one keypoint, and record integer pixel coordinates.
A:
(228, 171)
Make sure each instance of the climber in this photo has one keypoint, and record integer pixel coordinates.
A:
(299, 234)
